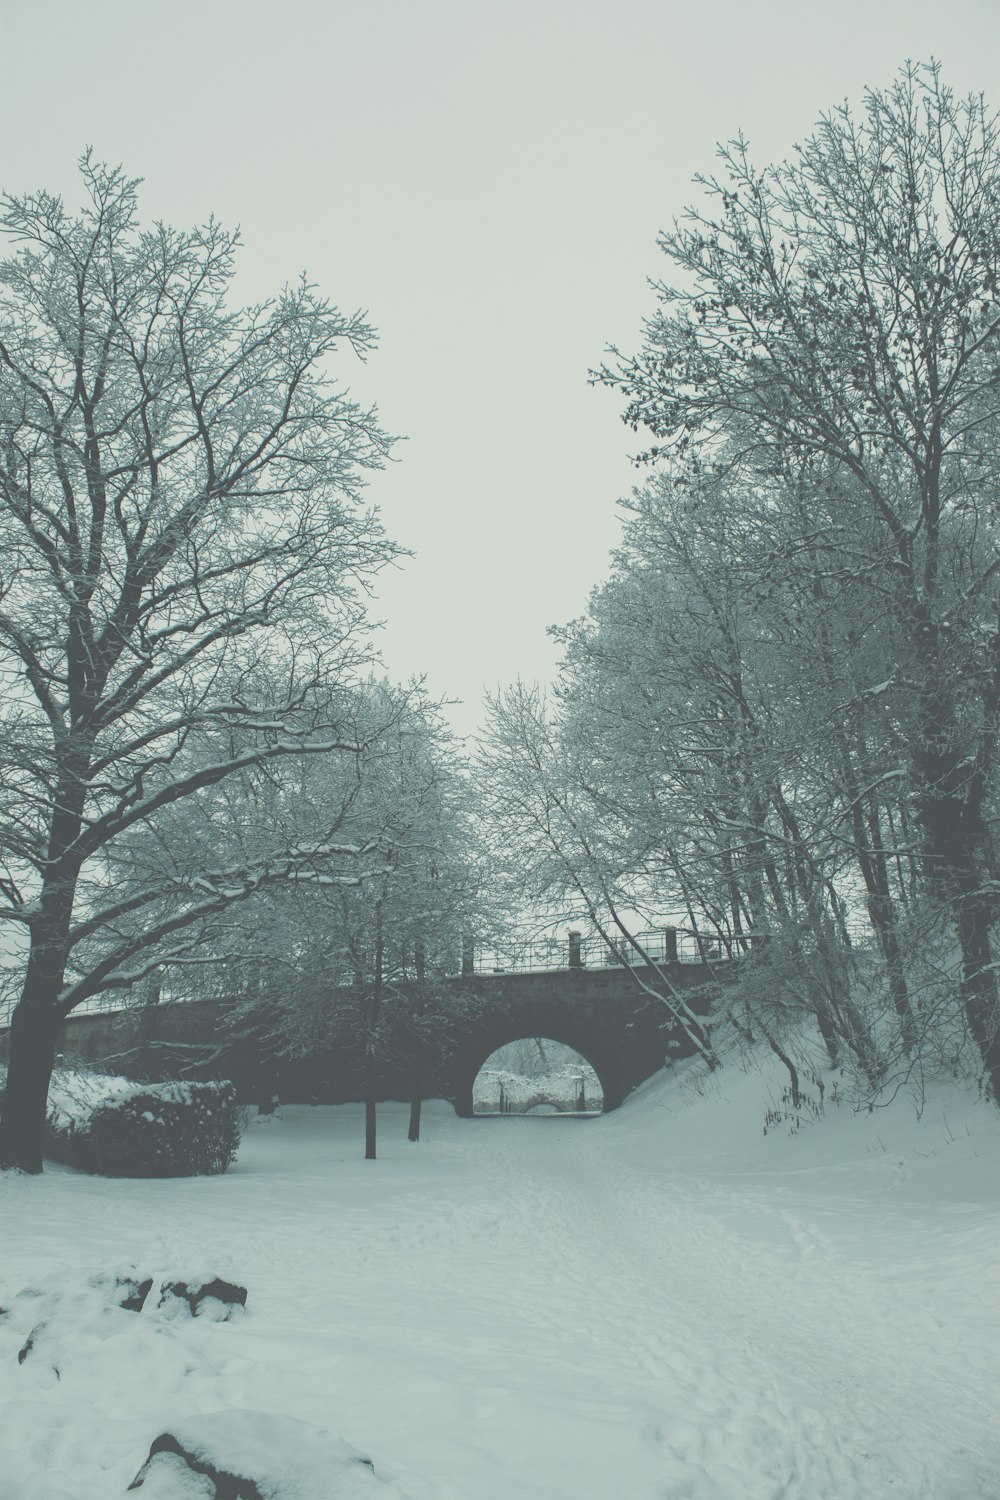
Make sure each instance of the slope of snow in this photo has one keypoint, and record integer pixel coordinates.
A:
(664, 1303)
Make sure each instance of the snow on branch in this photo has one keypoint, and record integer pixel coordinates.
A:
(213, 891)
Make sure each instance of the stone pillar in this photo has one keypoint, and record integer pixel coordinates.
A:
(468, 954)
(575, 954)
(670, 944)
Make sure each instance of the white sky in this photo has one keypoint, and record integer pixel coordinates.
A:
(488, 180)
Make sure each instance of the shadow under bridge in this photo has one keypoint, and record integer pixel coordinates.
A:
(623, 1032)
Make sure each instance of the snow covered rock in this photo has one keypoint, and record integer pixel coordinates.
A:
(133, 1293)
(209, 1295)
(55, 1317)
(58, 1314)
(253, 1455)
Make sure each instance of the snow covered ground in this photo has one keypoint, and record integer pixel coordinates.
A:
(662, 1302)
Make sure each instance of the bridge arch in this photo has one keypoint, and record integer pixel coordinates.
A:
(541, 1022)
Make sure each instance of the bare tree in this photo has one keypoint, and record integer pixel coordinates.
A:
(567, 847)
(842, 308)
(681, 705)
(184, 564)
(363, 960)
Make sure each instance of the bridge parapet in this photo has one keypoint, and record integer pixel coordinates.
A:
(527, 955)
(547, 954)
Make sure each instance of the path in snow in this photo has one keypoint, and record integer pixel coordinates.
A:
(645, 1305)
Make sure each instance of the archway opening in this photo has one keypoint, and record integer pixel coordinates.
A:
(537, 1076)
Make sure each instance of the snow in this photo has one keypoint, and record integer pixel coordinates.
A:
(289, 1460)
(664, 1303)
(518, 1090)
(74, 1096)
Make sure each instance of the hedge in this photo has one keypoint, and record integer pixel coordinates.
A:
(117, 1128)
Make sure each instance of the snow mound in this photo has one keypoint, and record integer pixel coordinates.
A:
(937, 1144)
(253, 1455)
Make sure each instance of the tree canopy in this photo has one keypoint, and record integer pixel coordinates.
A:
(186, 555)
(778, 720)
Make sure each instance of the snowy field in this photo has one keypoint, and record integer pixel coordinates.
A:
(663, 1302)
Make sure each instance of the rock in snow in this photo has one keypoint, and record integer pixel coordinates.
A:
(205, 1294)
(252, 1455)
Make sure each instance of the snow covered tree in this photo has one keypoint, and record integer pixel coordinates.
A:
(362, 959)
(568, 848)
(184, 561)
(841, 310)
(712, 721)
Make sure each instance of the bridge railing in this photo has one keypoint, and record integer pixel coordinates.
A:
(530, 956)
(539, 955)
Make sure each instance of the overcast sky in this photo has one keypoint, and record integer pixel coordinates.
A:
(486, 179)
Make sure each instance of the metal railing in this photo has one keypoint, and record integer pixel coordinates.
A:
(542, 955)
(536, 955)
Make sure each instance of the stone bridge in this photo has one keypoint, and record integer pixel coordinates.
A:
(603, 1013)
(619, 1030)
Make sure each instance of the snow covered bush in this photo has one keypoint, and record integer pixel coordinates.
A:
(118, 1128)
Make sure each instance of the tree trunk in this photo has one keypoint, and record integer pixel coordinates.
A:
(958, 843)
(780, 1053)
(828, 1033)
(956, 835)
(416, 1100)
(34, 1029)
(417, 1090)
(884, 922)
(979, 995)
(881, 910)
(374, 1012)
(370, 1110)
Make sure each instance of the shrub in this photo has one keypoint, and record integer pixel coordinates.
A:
(121, 1129)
